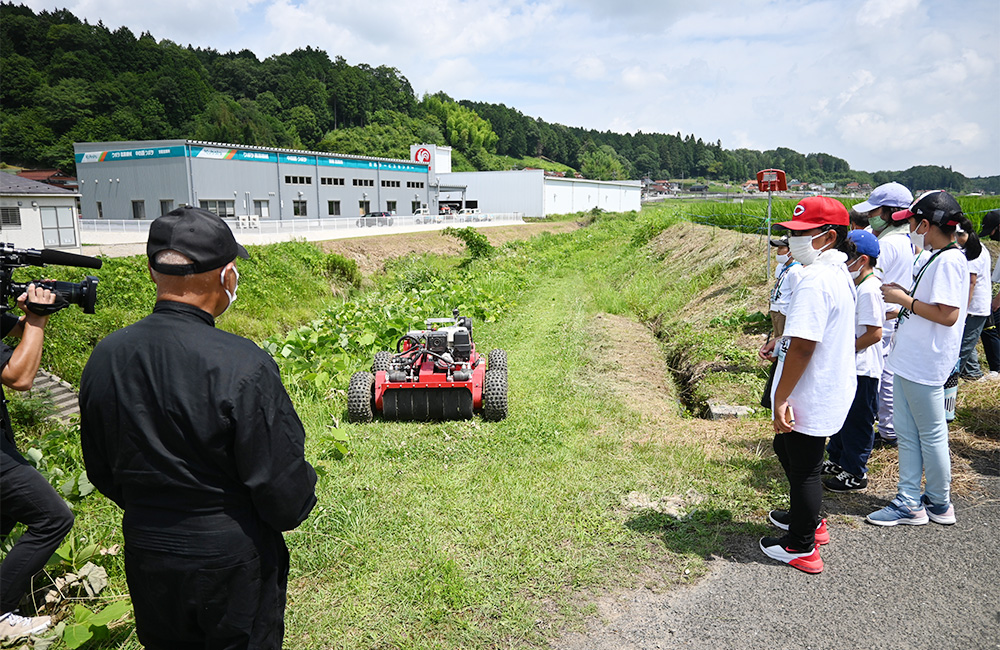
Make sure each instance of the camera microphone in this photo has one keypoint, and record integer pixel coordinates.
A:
(62, 258)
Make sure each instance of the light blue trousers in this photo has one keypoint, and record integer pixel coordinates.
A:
(922, 433)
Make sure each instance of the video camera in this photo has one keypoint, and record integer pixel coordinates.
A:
(83, 293)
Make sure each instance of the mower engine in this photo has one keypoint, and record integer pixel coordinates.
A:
(435, 374)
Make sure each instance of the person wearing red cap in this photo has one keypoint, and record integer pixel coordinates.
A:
(815, 381)
(924, 353)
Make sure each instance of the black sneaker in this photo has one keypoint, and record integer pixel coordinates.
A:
(846, 482)
(830, 468)
(884, 443)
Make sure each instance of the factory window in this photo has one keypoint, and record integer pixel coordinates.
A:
(10, 217)
(100, 210)
(365, 206)
(390, 183)
(414, 206)
(415, 185)
(298, 180)
(138, 209)
(329, 180)
(390, 206)
(363, 182)
(224, 208)
(166, 205)
(262, 208)
(300, 208)
(333, 208)
(57, 227)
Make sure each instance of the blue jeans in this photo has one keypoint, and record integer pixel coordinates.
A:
(923, 442)
(968, 360)
(852, 445)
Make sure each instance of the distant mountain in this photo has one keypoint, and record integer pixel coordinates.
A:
(67, 81)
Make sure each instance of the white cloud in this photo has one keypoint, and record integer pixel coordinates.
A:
(885, 84)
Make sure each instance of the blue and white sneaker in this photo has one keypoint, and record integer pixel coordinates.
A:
(898, 512)
(944, 515)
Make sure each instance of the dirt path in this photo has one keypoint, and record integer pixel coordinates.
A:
(922, 587)
(371, 253)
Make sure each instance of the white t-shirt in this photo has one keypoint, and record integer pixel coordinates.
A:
(923, 351)
(996, 270)
(870, 311)
(822, 310)
(982, 293)
(784, 286)
(895, 263)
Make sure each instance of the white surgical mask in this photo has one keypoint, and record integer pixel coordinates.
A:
(917, 239)
(802, 248)
(231, 296)
(782, 259)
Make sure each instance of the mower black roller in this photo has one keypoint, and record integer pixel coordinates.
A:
(435, 374)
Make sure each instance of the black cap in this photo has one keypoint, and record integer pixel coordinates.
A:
(991, 225)
(199, 234)
(938, 207)
(779, 242)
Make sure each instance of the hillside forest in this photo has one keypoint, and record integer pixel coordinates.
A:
(67, 81)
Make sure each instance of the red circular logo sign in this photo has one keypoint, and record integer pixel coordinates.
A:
(422, 155)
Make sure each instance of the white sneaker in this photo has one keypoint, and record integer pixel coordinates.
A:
(13, 626)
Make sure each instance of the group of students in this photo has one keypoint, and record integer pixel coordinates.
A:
(874, 312)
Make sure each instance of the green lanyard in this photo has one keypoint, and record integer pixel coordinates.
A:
(904, 312)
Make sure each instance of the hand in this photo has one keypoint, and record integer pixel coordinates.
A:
(894, 293)
(39, 296)
(784, 419)
(766, 352)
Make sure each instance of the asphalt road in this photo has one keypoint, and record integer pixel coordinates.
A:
(904, 587)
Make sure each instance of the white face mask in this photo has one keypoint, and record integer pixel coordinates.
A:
(802, 248)
(782, 259)
(917, 239)
(222, 279)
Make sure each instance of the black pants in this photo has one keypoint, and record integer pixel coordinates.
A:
(27, 498)
(210, 598)
(801, 456)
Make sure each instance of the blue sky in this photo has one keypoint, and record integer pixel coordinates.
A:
(885, 84)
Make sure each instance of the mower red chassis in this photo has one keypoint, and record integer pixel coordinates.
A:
(418, 383)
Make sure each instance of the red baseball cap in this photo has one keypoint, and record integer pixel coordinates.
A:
(817, 211)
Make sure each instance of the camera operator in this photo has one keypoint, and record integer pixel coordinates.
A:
(25, 496)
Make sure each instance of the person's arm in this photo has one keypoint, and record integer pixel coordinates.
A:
(270, 451)
(20, 371)
(797, 358)
(941, 314)
(872, 335)
(973, 277)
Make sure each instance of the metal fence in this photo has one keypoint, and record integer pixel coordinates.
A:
(298, 225)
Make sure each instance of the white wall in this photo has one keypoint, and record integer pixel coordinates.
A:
(564, 195)
(62, 229)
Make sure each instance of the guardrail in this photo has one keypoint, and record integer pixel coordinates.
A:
(251, 224)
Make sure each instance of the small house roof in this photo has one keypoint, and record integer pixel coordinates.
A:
(12, 184)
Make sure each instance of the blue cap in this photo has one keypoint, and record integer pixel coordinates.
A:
(866, 243)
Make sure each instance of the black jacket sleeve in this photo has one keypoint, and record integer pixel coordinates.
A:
(269, 447)
(95, 431)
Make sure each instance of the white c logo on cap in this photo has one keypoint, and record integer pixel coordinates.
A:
(799, 209)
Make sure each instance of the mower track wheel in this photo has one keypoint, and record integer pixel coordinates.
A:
(498, 361)
(361, 397)
(495, 396)
(382, 360)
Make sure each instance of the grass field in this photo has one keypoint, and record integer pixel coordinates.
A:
(497, 535)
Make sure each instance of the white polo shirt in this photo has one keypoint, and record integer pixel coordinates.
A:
(895, 263)
(822, 310)
(784, 286)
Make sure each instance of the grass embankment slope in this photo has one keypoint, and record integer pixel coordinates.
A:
(475, 534)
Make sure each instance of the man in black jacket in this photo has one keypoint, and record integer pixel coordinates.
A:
(189, 430)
